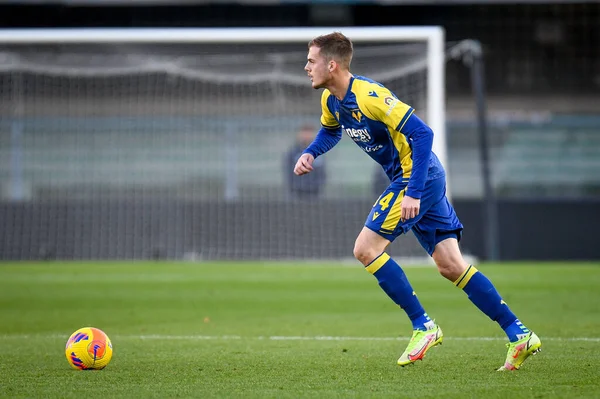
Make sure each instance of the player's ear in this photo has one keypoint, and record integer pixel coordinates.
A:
(332, 65)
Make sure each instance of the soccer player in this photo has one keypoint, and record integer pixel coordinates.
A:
(393, 135)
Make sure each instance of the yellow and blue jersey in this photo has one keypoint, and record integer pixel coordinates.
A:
(382, 126)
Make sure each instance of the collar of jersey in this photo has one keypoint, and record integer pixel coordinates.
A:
(349, 90)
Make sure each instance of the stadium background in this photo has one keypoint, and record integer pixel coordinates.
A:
(543, 85)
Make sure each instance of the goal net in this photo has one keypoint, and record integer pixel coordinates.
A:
(135, 144)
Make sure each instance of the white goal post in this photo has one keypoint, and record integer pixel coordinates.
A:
(433, 36)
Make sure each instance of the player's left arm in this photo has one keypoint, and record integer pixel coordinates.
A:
(401, 118)
(421, 137)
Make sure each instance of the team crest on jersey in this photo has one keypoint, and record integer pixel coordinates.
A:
(357, 115)
(337, 115)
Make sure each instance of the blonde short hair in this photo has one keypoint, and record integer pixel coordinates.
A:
(334, 46)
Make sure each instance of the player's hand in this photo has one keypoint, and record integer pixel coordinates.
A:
(304, 164)
(409, 208)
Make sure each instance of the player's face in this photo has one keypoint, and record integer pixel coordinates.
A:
(317, 68)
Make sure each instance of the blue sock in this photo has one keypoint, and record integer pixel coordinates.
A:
(484, 295)
(394, 283)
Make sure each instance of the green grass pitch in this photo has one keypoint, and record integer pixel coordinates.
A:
(270, 330)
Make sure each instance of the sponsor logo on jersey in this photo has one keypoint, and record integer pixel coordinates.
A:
(373, 93)
(372, 149)
(391, 103)
(389, 100)
(358, 134)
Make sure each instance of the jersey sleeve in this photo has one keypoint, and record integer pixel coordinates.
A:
(327, 119)
(382, 105)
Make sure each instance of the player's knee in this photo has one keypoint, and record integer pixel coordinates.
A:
(446, 269)
(449, 260)
(450, 266)
(359, 253)
(363, 253)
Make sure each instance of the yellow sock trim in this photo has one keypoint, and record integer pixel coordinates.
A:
(465, 277)
(377, 263)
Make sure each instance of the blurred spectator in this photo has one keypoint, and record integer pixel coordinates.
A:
(309, 185)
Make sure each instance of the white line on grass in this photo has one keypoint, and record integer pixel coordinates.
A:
(284, 338)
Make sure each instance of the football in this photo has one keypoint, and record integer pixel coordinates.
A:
(88, 348)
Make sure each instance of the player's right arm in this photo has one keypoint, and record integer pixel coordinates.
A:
(328, 136)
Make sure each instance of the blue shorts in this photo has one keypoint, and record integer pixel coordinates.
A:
(435, 222)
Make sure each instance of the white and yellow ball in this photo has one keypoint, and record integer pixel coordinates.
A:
(88, 348)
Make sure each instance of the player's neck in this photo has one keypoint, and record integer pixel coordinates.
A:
(339, 87)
